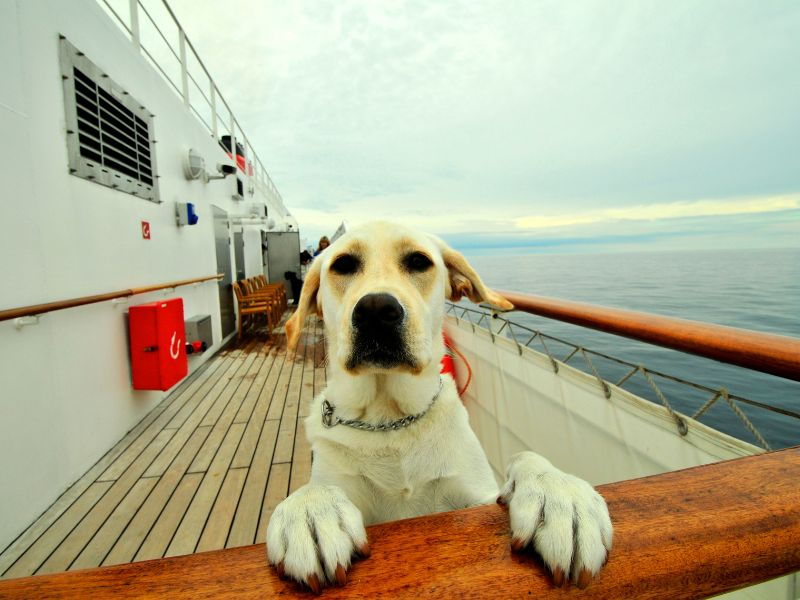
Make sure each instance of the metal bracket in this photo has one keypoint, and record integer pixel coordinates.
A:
(21, 322)
(494, 309)
(496, 324)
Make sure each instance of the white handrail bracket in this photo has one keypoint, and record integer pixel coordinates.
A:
(21, 322)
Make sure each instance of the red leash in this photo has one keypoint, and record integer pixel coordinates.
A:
(448, 365)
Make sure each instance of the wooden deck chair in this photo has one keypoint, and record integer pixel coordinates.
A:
(275, 291)
(252, 306)
(261, 280)
(268, 294)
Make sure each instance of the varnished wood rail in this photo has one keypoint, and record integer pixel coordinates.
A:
(38, 309)
(685, 534)
(768, 353)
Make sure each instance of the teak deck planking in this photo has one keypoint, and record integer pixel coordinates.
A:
(202, 471)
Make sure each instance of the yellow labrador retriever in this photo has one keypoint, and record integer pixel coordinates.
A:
(390, 436)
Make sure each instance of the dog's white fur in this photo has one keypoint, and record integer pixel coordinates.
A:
(360, 478)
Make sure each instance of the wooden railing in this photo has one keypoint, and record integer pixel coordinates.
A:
(684, 534)
(768, 353)
(38, 309)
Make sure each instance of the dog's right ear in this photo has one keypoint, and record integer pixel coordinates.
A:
(308, 303)
(462, 280)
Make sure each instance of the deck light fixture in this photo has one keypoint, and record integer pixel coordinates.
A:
(194, 165)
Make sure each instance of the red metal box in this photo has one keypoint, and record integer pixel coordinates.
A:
(158, 344)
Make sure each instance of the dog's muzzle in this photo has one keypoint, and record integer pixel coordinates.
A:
(378, 333)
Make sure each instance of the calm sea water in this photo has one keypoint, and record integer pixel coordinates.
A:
(752, 289)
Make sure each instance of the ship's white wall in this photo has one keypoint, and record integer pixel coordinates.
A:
(65, 391)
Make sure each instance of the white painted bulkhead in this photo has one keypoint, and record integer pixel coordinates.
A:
(65, 383)
(253, 257)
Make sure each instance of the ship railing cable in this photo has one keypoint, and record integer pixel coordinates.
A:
(518, 333)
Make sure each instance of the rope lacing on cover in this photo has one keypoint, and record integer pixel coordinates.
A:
(683, 429)
(518, 331)
(723, 393)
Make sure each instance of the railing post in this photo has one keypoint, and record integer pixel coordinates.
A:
(495, 322)
(135, 32)
(184, 68)
(213, 96)
(248, 149)
(233, 139)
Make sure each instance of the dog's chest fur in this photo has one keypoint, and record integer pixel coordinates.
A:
(395, 474)
(387, 484)
(392, 475)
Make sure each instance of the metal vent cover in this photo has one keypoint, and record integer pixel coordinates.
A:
(109, 134)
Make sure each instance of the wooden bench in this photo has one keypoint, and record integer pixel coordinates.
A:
(684, 534)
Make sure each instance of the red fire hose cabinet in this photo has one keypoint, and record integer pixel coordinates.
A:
(158, 344)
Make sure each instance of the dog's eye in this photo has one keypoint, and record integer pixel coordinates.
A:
(417, 262)
(345, 264)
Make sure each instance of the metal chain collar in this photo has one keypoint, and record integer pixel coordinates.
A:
(329, 420)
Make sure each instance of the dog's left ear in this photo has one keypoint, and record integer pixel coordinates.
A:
(307, 304)
(462, 280)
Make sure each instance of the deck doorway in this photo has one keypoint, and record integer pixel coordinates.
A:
(222, 244)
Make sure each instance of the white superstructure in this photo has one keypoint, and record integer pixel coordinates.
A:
(65, 382)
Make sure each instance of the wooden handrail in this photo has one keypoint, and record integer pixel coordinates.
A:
(37, 309)
(765, 352)
(684, 534)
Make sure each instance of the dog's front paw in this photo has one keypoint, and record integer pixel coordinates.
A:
(313, 534)
(561, 516)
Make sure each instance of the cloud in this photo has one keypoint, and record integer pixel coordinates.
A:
(505, 117)
(669, 210)
(779, 229)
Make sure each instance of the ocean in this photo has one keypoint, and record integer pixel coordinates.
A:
(751, 289)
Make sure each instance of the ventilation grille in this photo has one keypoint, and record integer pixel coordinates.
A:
(109, 133)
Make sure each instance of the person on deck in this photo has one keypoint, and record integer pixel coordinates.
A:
(324, 242)
(305, 263)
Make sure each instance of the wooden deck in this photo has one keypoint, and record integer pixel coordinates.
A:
(202, 471)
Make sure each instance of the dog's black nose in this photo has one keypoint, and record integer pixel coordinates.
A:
(377, 310)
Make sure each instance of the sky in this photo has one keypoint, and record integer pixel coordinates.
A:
(527, 126)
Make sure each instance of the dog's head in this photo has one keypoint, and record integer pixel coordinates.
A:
(381, 290)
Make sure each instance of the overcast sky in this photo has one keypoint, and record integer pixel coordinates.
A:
(542, 126)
